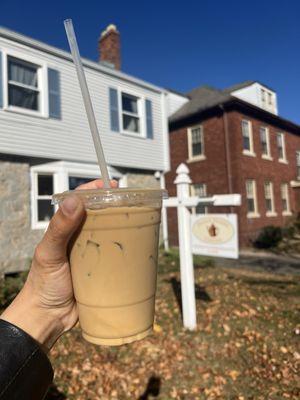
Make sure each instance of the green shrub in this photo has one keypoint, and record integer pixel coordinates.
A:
(268, 237)
(289, 231)
(10, 287)
(297, 223)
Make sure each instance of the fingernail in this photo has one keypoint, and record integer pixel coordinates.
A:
(113, 182)
(69, 205)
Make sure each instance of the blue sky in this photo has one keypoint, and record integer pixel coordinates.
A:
(181, 44)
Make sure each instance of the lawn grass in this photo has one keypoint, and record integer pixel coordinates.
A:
(246, 346)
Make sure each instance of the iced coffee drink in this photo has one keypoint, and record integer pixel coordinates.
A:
(114, 264)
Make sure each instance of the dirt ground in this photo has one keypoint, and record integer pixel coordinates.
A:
(247, 344)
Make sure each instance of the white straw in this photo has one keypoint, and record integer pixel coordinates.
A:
(87, 101)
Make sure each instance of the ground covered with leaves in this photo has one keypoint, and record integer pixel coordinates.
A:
(247, 344)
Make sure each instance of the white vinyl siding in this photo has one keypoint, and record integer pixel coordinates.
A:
(196, 143)
(174, 102)
(69, 138)
(247, 136)
(251, 199)
(269, 199)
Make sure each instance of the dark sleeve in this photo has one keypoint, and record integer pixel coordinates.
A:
(25, 371)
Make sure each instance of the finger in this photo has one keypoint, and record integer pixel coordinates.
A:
(96, 184)
(53, 247)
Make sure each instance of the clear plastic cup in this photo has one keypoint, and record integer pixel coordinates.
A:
(114, 263)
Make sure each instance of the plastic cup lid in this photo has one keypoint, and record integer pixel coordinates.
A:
(114, 197)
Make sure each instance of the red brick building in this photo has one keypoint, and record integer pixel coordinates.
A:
(233, 141)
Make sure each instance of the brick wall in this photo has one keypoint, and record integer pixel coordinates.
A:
(213, 170)
(261, 170)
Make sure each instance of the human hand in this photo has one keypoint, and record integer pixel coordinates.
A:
(45, 308)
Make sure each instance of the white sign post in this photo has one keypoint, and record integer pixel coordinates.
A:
(183, 202)
(183, 182)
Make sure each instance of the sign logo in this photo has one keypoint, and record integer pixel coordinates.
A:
(213, 230)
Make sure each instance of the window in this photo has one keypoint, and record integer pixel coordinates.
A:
(23, 88)
(251, 198)
(285, 198)
(269, 198)
(270, 99)
(45, 209)
(265, 141)
(199, 190)
(130, 113)
(281, 147)
(263, 97)
(298, 164)
(247, 138)
(195, 142)
(75, 181)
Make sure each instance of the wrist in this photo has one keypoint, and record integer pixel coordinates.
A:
(39, 323)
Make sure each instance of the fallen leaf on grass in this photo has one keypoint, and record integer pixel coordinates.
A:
(233, 374)
(157, 328)
(283, 349)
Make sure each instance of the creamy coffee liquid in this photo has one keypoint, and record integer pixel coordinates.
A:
(114, 264)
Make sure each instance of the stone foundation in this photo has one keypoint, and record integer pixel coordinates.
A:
(142, 180)
(17, 239)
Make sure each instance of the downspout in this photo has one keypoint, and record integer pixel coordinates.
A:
(164, 218)
(227, 152)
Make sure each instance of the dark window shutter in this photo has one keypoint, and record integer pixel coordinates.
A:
(149, 119)
(114, 110)
(54, 93)
(1, 82)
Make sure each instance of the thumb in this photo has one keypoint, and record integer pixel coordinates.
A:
(53, 247)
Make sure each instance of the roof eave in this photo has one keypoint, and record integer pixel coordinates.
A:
(38, 45)
(235, 103)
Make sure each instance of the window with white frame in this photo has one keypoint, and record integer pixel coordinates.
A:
(269, 197)
(298, 164)
(281, 146)
(270, 99)
(285, 203)
(23, 84)
(247, 136)
(263, 97)
(199, 190)
(131, 118)
(251, 197)
(75, 181)
(43, 190)
(265, 141)
(195, 142)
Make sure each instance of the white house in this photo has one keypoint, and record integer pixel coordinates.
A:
(45, 143)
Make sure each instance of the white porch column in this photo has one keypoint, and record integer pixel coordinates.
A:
(182, 182)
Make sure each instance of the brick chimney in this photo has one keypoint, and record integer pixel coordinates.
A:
(109, 46)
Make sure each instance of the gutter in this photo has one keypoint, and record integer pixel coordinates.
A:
(227, 151)
(243, 106)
